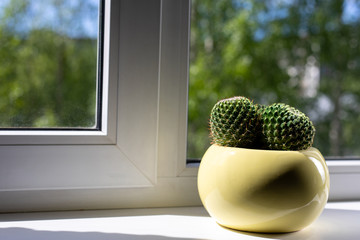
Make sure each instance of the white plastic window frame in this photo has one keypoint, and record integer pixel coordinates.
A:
(139, 158)
(104, 136)
(142, 161)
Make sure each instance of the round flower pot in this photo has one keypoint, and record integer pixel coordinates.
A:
(263, 190)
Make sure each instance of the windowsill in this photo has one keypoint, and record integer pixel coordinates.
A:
(340, 220)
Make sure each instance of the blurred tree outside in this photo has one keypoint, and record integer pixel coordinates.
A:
(48, 64)
(304, 53)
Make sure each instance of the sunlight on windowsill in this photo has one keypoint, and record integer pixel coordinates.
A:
(338, 221)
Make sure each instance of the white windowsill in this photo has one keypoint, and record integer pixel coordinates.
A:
(340, 220)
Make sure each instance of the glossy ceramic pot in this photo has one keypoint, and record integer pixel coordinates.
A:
(263, 190)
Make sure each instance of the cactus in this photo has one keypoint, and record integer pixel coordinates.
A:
(234, 122)
(238, 122)
(286, 128)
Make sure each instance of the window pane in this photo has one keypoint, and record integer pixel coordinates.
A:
(304, 53)
(48, 63)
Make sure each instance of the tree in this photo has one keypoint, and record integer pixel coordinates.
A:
(47, 69)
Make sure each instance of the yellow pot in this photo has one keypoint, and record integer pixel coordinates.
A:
(263, 190)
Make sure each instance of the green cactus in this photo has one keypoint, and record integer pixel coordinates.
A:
(234, 122)
(238, 122)
(286, 128)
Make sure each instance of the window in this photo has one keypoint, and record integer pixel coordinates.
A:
(138, 158)
(302, 53)
(51, 73)
(49, 62)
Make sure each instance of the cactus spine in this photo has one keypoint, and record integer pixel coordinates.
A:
(234, 122)
(286, 128)
(238, 122)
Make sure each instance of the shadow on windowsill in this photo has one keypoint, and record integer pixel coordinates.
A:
(29, 234)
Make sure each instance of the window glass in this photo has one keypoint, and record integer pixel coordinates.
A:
(48, 63)
(304, 53)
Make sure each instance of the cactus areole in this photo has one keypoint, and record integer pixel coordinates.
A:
(286, 128)
(238, 122)
(234, 122)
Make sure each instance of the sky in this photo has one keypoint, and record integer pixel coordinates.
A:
(76, 18)
(85, 22)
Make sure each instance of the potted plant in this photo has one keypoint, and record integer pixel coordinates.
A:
(261, 173)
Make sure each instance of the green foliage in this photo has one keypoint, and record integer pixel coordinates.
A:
(48, 78)
(286, 128)
(304, 53)
(235, 122)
